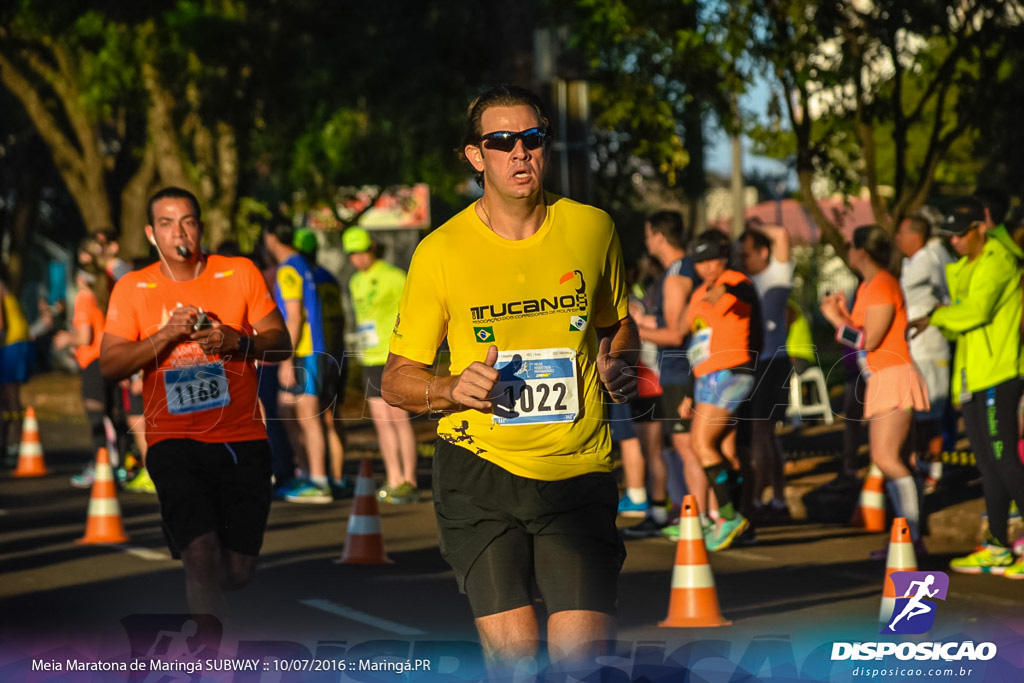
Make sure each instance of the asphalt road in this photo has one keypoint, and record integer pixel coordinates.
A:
(801, 588)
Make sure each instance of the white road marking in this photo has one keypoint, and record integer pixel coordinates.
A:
(146, 553)
(361, 617)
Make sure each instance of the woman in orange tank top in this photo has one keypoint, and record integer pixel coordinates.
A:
(876, 330)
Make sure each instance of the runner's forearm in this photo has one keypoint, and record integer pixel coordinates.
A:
(121, 358)
(405, 385)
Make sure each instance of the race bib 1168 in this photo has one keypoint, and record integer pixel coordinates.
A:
(195, 388)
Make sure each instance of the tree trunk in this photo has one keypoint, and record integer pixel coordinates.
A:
(77, 160)
(134, 198)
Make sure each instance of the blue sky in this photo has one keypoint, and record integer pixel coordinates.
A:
(719, 157)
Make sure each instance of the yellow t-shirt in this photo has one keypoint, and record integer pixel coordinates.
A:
(15, 321)
(543, 297)
(290, 284)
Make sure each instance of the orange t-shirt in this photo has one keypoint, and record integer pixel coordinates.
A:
(884, 290)
(721, 332)
(87, 312)
(193, 395)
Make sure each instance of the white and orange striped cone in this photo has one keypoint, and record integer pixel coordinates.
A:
(693, 601)
(901, 558)
(364, 543)
(103, 524)
(30, 451)
(870, 512)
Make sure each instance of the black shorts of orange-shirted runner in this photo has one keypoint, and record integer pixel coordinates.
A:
(220, 487)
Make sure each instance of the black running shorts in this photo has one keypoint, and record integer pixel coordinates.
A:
(501, 533)
(668, 408)
(221, 487)
(372, 379)
(770, 397)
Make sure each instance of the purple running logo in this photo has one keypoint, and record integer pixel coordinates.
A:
(914, 611)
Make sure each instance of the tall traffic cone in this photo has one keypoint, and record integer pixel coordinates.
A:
(900, 558)
(363, 542)
(693, 600)
(104, 521)
(870, 512)
(30, 451)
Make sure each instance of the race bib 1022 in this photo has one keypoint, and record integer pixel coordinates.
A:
(536, 386)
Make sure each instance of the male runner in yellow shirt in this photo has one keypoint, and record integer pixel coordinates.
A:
(524, 284)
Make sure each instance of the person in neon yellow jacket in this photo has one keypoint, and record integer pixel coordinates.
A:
(376, 290)
(985, 321)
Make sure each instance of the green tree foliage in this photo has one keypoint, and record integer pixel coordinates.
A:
(881, 93)
(270, 100)
(124, 102)
(660, 72)
(376, 94)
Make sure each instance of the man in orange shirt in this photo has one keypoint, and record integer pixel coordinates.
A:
(195, 324)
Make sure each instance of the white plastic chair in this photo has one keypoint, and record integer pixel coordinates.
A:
(812, 378)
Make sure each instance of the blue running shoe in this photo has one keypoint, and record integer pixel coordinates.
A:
(290, 486)
(310, 493)
(627, 508)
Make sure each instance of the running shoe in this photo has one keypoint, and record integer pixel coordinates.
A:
(310, 493)
(671, 532)
(627, 508)
(343, 489)
(725, 531)
(84, 479)
(141, 483)
(290, 486)
(406, 492)
(647, 529)
(1015, 570)
(398, 495)
(746, 539)
(988, 559)
(773, 513)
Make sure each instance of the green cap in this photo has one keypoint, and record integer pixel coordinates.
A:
(305, 240)
(356, 240)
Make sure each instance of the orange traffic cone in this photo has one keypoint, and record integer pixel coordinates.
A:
(30, 451)
(104, 522)
(900, 558)
(363, 542)
(694, 600)
(870, 512)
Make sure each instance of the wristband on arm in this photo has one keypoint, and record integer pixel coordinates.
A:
(852, 337)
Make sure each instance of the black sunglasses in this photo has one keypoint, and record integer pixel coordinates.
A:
(505, 140)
